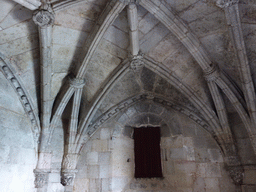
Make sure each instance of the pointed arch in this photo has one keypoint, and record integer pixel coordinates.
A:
(25, 99)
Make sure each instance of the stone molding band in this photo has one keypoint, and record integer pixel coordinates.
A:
(22, 96)
(142, 97)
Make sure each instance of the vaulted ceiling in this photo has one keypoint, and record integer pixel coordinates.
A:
(88, 59)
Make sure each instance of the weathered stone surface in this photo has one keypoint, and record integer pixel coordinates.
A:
(185, 38)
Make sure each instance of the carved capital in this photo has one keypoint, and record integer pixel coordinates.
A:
(68, 177)
(237, 174)
(41, 178)
(77, 83)
(136, 62)
(212, 73)
(43, 18)
(226, 3)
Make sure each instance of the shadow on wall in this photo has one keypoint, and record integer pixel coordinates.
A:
(191, 160)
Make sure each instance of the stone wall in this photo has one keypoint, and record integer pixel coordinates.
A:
(17, 150)
(191, 159)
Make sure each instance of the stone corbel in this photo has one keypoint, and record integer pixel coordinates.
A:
(226, 3)
(68, 170)
(68, 177)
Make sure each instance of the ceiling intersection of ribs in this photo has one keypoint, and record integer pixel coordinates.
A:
(97, 55)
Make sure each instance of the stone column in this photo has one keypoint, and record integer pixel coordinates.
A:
(44, 18)
(68, 167)
(231, 8)
(225, 137)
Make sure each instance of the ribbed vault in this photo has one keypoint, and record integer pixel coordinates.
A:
(84, 62)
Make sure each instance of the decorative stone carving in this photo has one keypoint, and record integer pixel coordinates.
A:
(148, 96)
(226, 3)
(137, 63)
(22, 96)
(40, 178)
(68, 171)
(43, 18)
(68, 177)
(77, 83)
(237, 174)
(213, 73)
(69, 161)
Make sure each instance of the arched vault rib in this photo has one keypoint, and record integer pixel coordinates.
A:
(30, 4)
(24, 97)
(180, 30)
(147, 97)
(236, 34)
(207, 113)
(107, 17)
(117, 74)
(165, 73)
(191, 42)
(60, 5)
